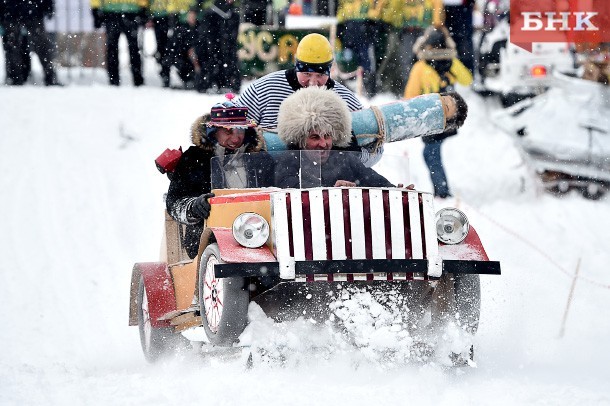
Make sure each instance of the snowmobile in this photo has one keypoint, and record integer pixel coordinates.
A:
(515, 74)
(564, 135)
(290, 250)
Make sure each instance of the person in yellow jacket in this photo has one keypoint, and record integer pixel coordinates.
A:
(436, 71)
(121, 17)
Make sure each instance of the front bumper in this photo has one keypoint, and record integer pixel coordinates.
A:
(372, 269)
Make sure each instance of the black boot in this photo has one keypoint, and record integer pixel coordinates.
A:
(51, 80)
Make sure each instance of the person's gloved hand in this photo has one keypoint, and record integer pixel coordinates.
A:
(201, 206)
(457, 119)
(98, 18)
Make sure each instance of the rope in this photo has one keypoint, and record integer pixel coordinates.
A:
(535, 248)
(381, 137)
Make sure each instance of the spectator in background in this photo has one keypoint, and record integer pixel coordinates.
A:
(417, 16)
(437, 70)
(159, 19)
(218, 30)
(255, 11)
(458, 20)
(24, 21)
(379, 29)
(356, 36)
(121, 17)
(181, 51)
(26, 59)
(389, 76)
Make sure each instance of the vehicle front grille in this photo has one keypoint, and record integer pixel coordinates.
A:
(354, 223)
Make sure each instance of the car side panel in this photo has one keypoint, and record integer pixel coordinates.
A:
(231, 251)
(159, 290)
(471, 249)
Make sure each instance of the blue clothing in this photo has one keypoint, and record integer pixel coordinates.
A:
(432, 156)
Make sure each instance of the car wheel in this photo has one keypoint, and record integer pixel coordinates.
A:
(223, 301)
(157, 342)
(593, 191)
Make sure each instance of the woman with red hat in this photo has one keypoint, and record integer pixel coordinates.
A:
(227, 134)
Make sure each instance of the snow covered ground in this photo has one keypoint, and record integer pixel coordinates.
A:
(82, 201)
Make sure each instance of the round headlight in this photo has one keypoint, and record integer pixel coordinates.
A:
(250, 230)
(451, 226)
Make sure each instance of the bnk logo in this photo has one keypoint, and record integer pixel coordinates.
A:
(533, 21)
(573, 21)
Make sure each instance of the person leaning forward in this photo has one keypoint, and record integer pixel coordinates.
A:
(228, 135)
(314, 59)
(316, 120)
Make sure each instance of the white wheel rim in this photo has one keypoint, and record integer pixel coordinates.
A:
(146, 326)
(213, 295)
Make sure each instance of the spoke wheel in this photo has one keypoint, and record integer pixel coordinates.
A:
(223, 301)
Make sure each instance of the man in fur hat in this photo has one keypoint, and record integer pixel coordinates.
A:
(230, 137)
(316, 120)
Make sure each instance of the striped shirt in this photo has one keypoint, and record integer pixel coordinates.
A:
(264, 96)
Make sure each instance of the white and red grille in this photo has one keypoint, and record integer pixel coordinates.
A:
(354, 223)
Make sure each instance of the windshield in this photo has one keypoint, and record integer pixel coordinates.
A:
(306, 169)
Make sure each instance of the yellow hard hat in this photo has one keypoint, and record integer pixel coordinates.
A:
(314, 49)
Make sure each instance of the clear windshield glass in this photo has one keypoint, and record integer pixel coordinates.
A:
(307, 169)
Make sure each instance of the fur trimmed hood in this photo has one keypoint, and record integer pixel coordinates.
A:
(314, 108)
(200, 136)
(426, 54)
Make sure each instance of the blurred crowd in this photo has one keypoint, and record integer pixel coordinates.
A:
(199, 38)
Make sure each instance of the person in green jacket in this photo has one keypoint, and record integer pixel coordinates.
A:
(121, 17)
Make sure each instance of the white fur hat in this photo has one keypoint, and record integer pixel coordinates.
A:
(314, 108)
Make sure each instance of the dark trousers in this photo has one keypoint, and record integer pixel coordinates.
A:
(161, 26)
(458, 20)
(17, 61)
(432, 156)
(117, 24)
(182, 39)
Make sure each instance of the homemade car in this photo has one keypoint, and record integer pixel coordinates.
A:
(258, 244)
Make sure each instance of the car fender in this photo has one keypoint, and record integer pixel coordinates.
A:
(471, 249)
(231, 251)
(159, 291)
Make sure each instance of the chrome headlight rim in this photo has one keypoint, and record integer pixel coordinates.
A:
(452, 225)
(250, 230)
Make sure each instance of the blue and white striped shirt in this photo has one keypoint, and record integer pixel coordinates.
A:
(264, 96)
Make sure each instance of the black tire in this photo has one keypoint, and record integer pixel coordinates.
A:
(157, 342)
(467, 295)
(223, 302)
(593, 191)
